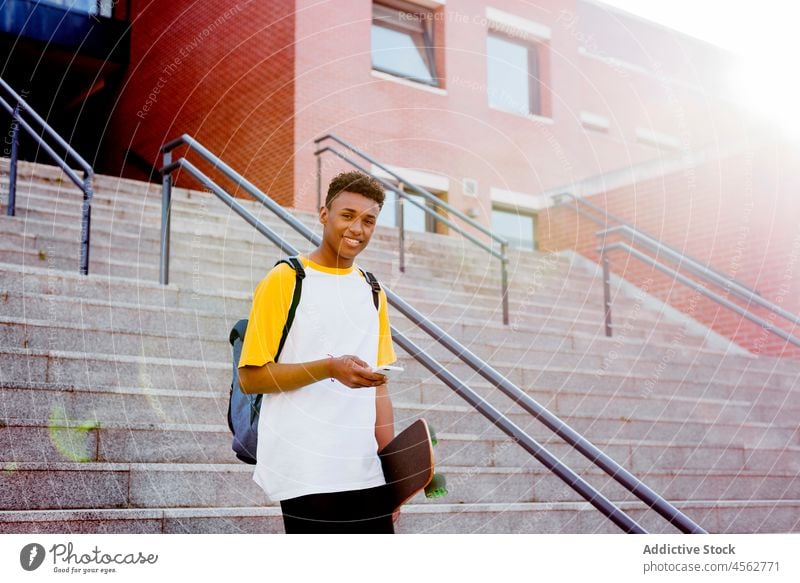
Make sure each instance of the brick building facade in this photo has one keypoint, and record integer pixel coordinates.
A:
(499, 106)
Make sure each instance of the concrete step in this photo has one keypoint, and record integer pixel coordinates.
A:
(208, 520)
(613, 352)
(543, 335)
(236, 247)
(217, 256)
(556, 350)
(31, 485)
(145, 319)
(168, 372)
(681, 424)
(638, 423)
(442, 309)
(102, 330)
(38, 486)
(718, 517)
(165, 371)
(144, 205)
(207, 215)
(31, 304)
(61, 439)
(618, 395)
(135, 318)
(576, 386)
(96, 391)
(196, 273)
(195, 251)
(479, 308)
(42, 279)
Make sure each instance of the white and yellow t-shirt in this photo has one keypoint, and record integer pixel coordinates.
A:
(321, 437)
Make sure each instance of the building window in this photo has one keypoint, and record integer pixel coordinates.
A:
(100, 7)
(513, 75)
(517, 227)
(402, 42)
(414, 218)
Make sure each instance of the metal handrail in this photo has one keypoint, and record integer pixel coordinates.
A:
(699, 270)
(397, 190)
(85, 184)
(766, 324)
(652, 242)
(664, 508)
(543, 455)
(435, 200)
(421, 191)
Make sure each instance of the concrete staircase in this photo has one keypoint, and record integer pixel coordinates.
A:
(114, 388)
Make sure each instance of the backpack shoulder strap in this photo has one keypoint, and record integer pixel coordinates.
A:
(300, 274)
(238, 331)
(376, 287)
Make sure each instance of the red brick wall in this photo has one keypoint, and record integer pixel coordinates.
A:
(740, 214)
(220, 71)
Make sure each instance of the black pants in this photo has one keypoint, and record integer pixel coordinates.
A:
(354, 511)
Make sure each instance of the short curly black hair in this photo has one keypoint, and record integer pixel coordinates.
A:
(356, 182)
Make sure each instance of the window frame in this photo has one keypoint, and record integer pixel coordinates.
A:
(427, 30)
(432, 225)
(534, 56)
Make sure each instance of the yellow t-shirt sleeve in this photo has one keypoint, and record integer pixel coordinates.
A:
(386, 353)
(271, 302)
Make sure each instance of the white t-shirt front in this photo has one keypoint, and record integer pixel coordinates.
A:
(321, 437)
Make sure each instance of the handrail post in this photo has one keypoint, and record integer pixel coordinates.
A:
(86, 222)
(319, 182)
(504, 289)
(12, 171)
(398, 205)
(606, 292)
(166, 215)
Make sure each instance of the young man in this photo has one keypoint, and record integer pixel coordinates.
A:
(324, 415)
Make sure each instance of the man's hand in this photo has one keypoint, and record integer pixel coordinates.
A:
(353, 372)
(395, 516)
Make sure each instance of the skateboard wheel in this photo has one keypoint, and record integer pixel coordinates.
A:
(437, 488)
(434, 441)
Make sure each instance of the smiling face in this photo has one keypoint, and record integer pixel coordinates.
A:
(347, 228)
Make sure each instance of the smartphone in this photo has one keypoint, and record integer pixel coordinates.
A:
(389, 371)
